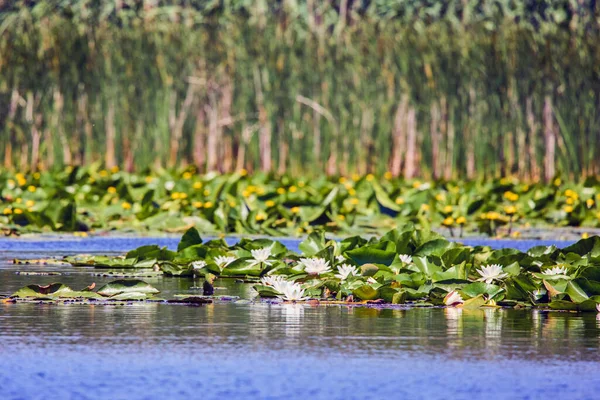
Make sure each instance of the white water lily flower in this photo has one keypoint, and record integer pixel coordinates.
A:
(278, 282)
(405, 258)
(261, 256)
(291, 291)
(340, 258)
(371, 280)
(223, 261)
(598, 307)
(555, 271)
(315, 265)
(453, 298)
(198, 264)
(169, 185)
(489, 273)
(346, 270)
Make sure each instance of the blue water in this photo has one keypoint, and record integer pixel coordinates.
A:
(279, 351)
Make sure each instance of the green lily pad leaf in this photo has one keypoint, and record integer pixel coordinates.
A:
(125, 286)
(583, 247)
(40, 292)
(576, 293)
(129, 296)
(314, 243)
(190, 238)
(371, 255)
(173, 269)
(399, 297)
(266, 291)
(366, 292)
(369, 269)
(242, 267)
(474, 303)
(480, 288)
(435, 247)
(587, 305)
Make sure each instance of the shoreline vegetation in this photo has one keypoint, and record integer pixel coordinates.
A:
(412, 267)
(436, 90)
(92, 199)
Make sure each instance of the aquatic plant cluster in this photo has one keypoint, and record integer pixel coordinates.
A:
(409, 266)
(92, 199)
(437, 89)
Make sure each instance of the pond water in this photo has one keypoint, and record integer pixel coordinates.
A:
(278, 351)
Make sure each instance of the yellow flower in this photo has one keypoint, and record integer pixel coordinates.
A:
(31, 188)
(557, 182)
(114, 169)
(355, 177)
(197, 204)
(585, 235)
(510, 210)
(37, 175)
(510, 196)
(187, 175)
(293, 189)
(399, 200)
(91, 179)
(354, 200)
(19, 200)
(440, 197)
(516, 234)
(243, 172)
(589, 203)
(448, 221)
(492, 216)
(416, 184)
(388, 175)
(11, 183)
(341, 217)
(103, 173)
(280, 190)
(572, 194)
(111, 190)
(568, 209)
(182, 195)
(148, 179)
(18, 211)
(448, 209)
(370, 177)
(461, 220)
(570, 201)
(29, 203)
(260, 216)
(197, 185)
(425, 207)
(126, 205)
(270, 203)
(175, 195)
(21, 181)
(7, 211)
(352, 192)
(342, 179)
(295, 210)
(348, 186)
(206, 192)
(208, 204)
(231, 203)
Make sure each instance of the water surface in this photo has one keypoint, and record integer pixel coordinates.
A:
(278, 351)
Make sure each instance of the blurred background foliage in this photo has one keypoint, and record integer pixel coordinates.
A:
(438, 89)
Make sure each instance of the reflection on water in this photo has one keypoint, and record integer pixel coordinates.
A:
(476, 334)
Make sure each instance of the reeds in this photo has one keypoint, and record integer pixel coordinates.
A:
(306, 87)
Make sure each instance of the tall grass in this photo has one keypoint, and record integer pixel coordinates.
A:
(433, 89)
